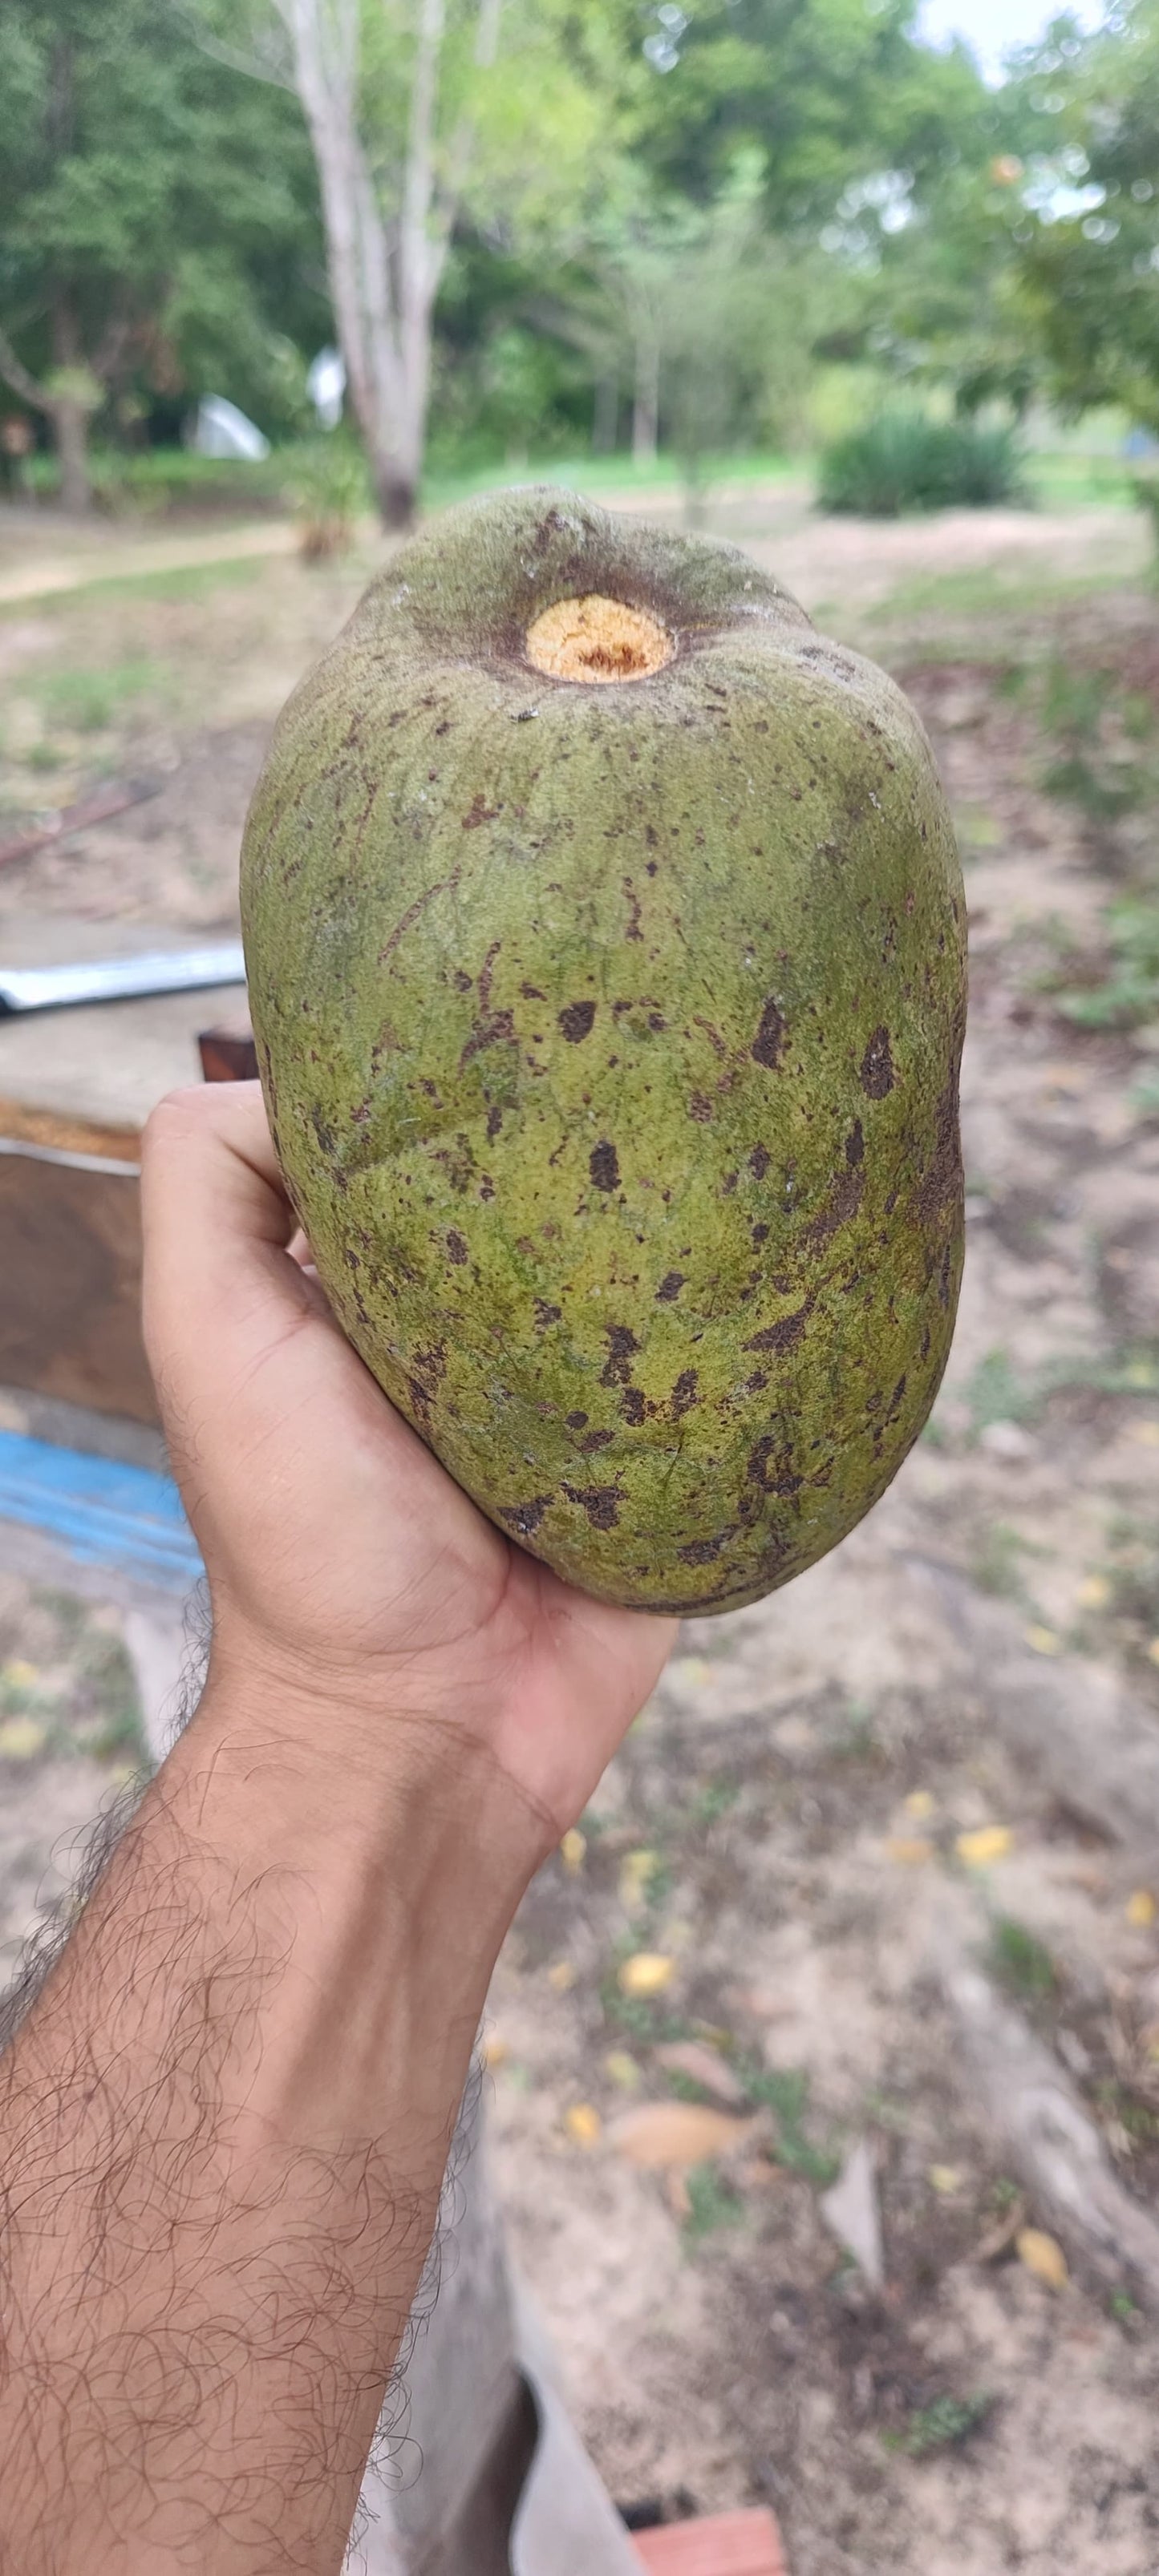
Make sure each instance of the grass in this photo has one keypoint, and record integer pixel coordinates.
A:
(940, 2426)
(997, 1563)
(1125, 995)
(712, 2204)
(1019, 1963)
(996, 1391)
(87, 701)
(785, 2092)
(182, 581)
(596, 474)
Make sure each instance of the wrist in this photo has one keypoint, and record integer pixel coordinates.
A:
(391, 1877)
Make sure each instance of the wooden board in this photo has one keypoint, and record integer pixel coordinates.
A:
(76, 1087)
(723, 2544)
(70, 1279)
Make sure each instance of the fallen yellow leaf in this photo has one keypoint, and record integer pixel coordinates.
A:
(663, 2134)
(1140, 1908)
(561, 1976)
(622, 2069)
(646, 1973)
(571, 1851)
(19, 1675)
(909, 1850)
(920, 1803)
(703, 2065)
(1153, 1650)
(1045, 1641)
(583, 2124)
(1042, 2255)
(986, 1844)
(1094, 1592)
(636, 1870)
(946, 2179)
(21, 1739)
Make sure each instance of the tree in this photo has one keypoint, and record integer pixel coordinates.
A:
(158, 219)
(1087, 239)
(413, 115)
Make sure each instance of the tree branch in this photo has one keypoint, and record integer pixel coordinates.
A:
(419, 179)
(16, 374)
(463, 139)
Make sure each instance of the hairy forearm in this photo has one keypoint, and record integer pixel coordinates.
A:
(223, 2130)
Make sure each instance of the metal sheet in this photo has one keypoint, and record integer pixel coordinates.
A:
(120, 979)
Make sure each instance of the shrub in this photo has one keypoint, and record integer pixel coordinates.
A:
(904, 461)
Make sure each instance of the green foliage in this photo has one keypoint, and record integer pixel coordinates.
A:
(940, 2426)
(329, 491)
(907, 461)
(1103, 759)
(161, 233)
(997, 1392)
(1127, 995)
(997, 1564)
(785, 2091)
(1086, 246)
(87, 701)
(1020, 1963)
(711, 2204)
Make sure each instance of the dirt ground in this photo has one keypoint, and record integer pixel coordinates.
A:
(827, 1790)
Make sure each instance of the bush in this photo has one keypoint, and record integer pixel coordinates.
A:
(903, 461)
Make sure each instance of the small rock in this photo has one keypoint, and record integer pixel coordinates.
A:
(1006, 1440)
(852, 2213)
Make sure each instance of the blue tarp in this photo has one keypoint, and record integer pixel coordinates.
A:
(101, 1512)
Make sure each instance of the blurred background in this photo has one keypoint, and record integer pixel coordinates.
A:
(872, 1892)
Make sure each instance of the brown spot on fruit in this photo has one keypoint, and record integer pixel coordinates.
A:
(633, 1404)
(772, 1470)
(524, 1518)
(577, 1421)
(855, 1143)
(759, 1161)
(785, 1335)
(877, 1073)
(770, 1036)
(622, 1344)
(670, 1287)
(604, 1165)
(842, 1203)
(576, 1021)
(479, 811)
(600, 1502)
(545, 1314)
(456, 1246)
(701, 1551)
(684, 1393)
(941, 1181)
(497, 1029)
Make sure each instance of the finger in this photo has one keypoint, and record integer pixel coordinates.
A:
(215, 1213)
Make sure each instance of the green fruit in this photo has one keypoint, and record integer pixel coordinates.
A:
(609, 993)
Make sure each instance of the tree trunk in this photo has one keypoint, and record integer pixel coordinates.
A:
(397, 495)
(646, 406)
(71, 437)
(605, 417)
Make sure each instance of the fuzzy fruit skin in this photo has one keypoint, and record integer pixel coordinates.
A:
(610, 1039)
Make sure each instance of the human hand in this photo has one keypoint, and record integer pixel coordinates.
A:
(347, 1570)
